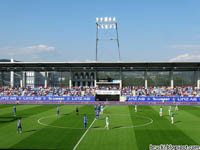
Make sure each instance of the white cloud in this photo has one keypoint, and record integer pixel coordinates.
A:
(28, 53)
(185, 58)
(41, 48)
(192, 53)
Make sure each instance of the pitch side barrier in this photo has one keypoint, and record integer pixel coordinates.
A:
(161, 99)
(47, 98)
(78, 100)
(164, 100)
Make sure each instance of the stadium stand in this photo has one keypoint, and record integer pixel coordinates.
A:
(91, 91)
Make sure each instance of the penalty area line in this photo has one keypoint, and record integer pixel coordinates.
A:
(75, 147)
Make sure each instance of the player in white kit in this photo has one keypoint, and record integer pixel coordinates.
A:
(161, 111)
(135, 108)
(107, 122)
(172, 117)
(169, 110)
(176, 108)
(101, 109)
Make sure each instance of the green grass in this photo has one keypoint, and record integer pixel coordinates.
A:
(64, 131)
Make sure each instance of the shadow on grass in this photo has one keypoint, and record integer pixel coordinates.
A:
(65, 114)
(95, 127)
(177, 122)
(33, 130)
(117, 127)
(7, 119)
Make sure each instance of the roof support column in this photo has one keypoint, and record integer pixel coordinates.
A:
(197, 78)
(95, 78)
(171, 77)
(198, 84)
(70, 79)
(12, 76)
(120, 85)
(45, 80)
(145, 80)
(21, 83)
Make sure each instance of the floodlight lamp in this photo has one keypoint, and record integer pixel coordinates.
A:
(106, 19)
(97, 19)
(114, 19)
(109, 19)
(102, 26)
(101, 19)
(110, 26)
(106, 26)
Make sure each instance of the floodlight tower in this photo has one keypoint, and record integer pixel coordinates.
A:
(107, 23)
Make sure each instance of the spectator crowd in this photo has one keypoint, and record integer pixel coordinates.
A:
(163, 91)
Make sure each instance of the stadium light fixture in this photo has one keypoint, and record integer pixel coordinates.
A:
(106, 26)
(97, 19)
(114, 19)
(106, 23)
(106, 19)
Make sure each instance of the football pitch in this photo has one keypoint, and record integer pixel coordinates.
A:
(129, 130)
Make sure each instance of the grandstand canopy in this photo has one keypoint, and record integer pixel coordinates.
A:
(99, 66)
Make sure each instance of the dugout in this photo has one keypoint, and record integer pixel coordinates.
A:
(108, 90)
(107, 97)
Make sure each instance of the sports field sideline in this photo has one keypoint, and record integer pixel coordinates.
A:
(129, 130)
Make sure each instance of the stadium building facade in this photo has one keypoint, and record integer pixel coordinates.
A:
(110, 78)
(68, 74)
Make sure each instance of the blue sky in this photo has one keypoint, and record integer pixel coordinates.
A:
(64, 30)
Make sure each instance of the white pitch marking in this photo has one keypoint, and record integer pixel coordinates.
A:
(84, 135)
(126, 127)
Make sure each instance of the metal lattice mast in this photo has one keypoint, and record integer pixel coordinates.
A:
(107, 23)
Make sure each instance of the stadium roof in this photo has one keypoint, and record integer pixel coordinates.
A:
(99, 66)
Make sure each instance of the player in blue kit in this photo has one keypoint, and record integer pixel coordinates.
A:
(99, 108)
(14, 110)
(95, 107)
(19, 126)
(97, 114)
(58, 110)
(85, 121)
